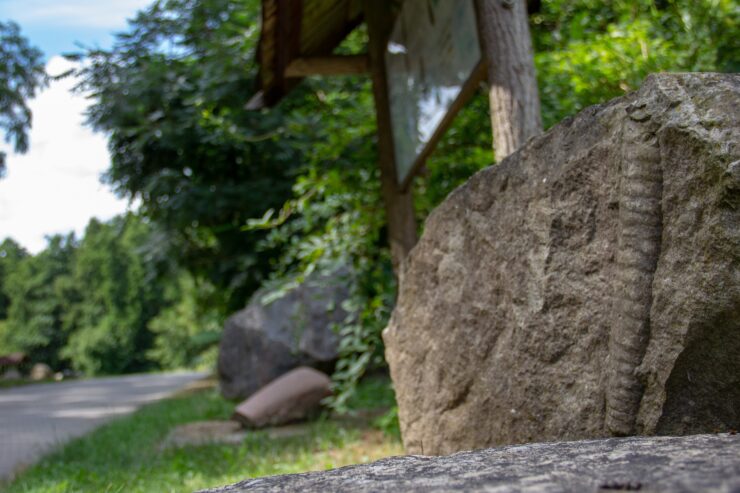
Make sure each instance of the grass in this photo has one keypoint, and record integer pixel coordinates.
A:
(9, 384)
(125, 455)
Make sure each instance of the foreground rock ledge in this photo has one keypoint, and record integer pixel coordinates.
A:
(676, 464)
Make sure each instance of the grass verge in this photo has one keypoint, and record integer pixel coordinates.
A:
(9, 384)
(125, 455)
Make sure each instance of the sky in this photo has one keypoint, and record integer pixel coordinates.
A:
(55, 187)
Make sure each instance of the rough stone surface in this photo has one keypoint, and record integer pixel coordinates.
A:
(12, 374)
(587, 286)
(205, 432)
(266, 340)
(41, 371)
(707, 463)
(295, 430)
(291, 397)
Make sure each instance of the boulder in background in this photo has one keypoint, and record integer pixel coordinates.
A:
(266, 340)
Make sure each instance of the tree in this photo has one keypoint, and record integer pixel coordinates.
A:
(507, 50)
(170, 94)
(21, 75)
(116, 297)
(105, 304)
(590, 51)
(11, 253)
(39, 296)
(185, 331)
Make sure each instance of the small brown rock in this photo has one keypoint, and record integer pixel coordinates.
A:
(41, 371)
(288, 398)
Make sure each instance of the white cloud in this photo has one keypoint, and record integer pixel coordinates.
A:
(106, 14)
(55, 187)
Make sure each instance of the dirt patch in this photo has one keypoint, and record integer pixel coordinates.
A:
(204, 433)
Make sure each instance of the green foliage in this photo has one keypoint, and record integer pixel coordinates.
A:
(126, 455)
(170, 94)
(590, 51)
(236, 197)
(375, 393)
(336, 218)
(115, 299)
(587, 52)
(184, 329)
(21, 75)
(105, 304)
(38, 292)
(11, 253)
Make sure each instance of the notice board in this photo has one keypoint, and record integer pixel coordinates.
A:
(433, 63)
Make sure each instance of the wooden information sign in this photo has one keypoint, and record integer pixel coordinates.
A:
(433, 63)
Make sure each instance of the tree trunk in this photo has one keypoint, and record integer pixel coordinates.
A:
(399, 205)
(507, 51)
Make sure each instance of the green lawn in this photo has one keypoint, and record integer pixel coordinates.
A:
(125, 455)
(8, 384)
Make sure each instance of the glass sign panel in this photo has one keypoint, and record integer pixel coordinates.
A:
(432, 51)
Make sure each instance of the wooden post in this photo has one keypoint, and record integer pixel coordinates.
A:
(399, 206)
(507, 50)
(327, 65)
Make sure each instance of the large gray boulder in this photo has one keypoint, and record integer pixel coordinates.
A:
(707, 463)
(587, 286)
(267, 339)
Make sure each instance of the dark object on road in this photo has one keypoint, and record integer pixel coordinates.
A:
(266, 340)
(706, 463)
(292, 397)
(586, 286)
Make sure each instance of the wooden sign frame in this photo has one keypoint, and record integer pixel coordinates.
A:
(467, 89)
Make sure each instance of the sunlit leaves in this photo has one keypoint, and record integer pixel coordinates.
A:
(170, 94)
(590, 51)
(38, 291)
(21, 75)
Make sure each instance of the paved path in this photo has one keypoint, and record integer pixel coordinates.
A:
(35, 418)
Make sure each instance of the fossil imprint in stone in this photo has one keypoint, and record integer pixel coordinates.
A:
(586, 286)
(639, 248)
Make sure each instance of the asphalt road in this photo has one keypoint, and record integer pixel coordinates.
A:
(36, 418)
